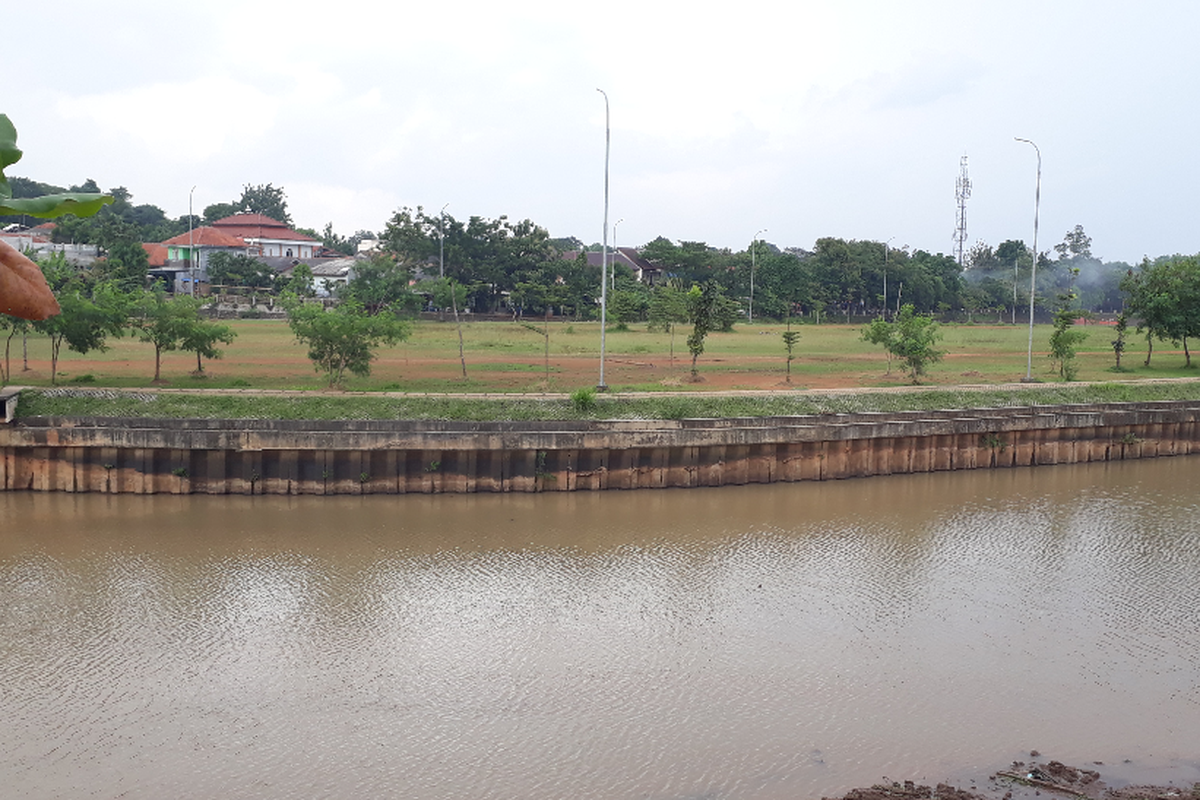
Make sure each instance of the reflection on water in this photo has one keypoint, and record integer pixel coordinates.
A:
(759, 642)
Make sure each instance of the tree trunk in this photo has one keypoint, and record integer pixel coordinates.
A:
(157, 362)
(1149, 347)
(55, 344)
(1187, 357)
(458, 324)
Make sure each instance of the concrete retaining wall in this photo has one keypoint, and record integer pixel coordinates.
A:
(143, 456)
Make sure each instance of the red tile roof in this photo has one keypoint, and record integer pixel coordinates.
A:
(207, 237)
(258, 226)
(157, 254)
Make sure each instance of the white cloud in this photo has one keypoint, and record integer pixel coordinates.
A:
(189, 121)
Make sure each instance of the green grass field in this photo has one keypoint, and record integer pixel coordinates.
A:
(509, 357)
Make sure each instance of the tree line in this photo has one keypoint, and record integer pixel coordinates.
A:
(96, 308)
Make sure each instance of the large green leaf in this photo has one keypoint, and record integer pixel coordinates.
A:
(9, 152)
(81, 204)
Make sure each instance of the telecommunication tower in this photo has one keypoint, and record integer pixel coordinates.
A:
(962, 191)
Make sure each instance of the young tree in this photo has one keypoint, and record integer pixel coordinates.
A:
(174, 323)
(159, 321)
(202, 336)
(881, 332)
(12, 326)
(1118, 344)
(912, 338)
(89, 316)
(668, 308)
(790, 337)
(1064, 339)
(343, 338)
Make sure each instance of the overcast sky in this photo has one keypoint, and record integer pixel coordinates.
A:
(808, 119)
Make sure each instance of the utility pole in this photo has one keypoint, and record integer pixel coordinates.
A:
(1037, 203)
(602, 386)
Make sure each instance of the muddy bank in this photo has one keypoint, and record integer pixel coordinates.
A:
(1053, 780)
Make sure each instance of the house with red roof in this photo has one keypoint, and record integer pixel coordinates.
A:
(245, 234)
(268, 237)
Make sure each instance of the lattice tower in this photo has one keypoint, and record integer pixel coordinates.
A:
(962, 191)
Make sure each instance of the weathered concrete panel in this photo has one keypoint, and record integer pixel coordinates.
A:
(384, 457)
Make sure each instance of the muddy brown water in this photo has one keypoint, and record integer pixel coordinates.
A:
(785, 641)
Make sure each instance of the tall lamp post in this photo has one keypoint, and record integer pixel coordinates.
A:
(602, 386)
(886, 250)
(442, 242)
(753, 253)
(191, 249)
(1037, 202)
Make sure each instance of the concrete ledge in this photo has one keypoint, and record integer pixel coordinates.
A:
(185, 456)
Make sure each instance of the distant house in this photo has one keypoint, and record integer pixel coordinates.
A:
(267, 237)
(329, 275)
(38, 239)
(643, 270)
(191, 250)
(256, 235)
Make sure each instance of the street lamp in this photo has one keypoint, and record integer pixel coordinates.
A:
(602, 386)
(191, 252)
(442, 243)
(753, 252)
(1037, 202)
(886, 249)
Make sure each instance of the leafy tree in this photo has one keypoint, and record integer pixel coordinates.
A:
(343, 338)
(489, 256)
(1165, 297)
(668, 308)
(158, 320)
(881, 332)
(91, 312)
(299, 283)
(335, 242)
(689, 262)
(174, 323)
(267, 200)
(912, 338)
(217, 211)
(1075, 244)
(126, 263)
(239, 269)
(201, 336)
(380, 283)
(629, 305)
(702, 301)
